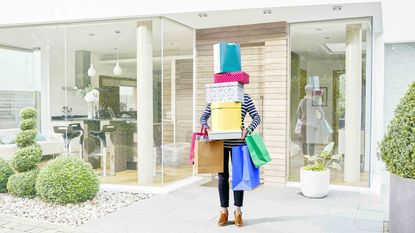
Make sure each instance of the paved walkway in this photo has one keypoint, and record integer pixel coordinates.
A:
(267, 209)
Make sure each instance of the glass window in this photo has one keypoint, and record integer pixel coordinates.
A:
(85, 76)
(20, 87)
(330, 61)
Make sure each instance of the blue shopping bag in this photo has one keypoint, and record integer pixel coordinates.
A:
(245, 176)
(226, 57)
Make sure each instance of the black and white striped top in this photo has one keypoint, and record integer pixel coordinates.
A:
(247, 106)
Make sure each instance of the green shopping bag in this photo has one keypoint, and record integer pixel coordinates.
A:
(257, 150)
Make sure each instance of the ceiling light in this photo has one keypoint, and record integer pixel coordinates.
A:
(91, 34)
(91, 71)
(337, 8)
(117, 68)
(327, 38)
(319, 29)
(117, 31)
(203, 15)
(267, 12)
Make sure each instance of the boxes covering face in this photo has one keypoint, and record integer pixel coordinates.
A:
(224, 92)
(241, 77)
(226, 57)
(226, 116)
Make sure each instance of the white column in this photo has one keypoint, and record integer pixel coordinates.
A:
(145, 103)
(353, 103)
(45, 117)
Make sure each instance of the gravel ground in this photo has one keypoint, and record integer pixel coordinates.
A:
(72, 214)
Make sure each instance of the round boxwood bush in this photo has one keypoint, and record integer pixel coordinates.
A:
(23, 184)
(5, 172)
(28, 124)
(27, 158)
(28, 113)
(398, 145)
(67, 180)
(26, 138)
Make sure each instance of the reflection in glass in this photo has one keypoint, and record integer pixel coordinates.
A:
(329, 65)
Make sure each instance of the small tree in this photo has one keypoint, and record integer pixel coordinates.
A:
(25, 160)
(398, 146)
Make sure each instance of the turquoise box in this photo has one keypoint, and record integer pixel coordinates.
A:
(226, 57)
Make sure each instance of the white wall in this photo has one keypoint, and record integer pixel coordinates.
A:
(58, 96)
(399, 73)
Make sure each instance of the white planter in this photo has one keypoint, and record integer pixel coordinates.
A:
(314, 184)
(401, 204)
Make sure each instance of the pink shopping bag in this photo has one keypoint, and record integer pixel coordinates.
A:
(202, 135)
(241, 77)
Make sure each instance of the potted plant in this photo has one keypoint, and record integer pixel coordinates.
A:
(315, 177)
(397, 150)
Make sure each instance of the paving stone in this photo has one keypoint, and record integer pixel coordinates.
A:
(16, 231)
(37, 229)
(195, 209)
(5, 229)
(3, 222)
(50, 231)
(23, 227)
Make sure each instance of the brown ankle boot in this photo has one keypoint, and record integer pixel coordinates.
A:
(238, 219)
(223, 219)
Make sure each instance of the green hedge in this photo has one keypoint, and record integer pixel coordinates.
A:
(28, 124)
(26, 138)
(23, 184)
(28, 113)
(27, 158)
(398, 146)
(67, 180)
(5, 172)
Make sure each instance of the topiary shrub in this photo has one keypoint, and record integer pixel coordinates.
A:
(26, 158)
(28, 124)
(28, 113)
(5, 172)
(67, 180)
(23, 184)
(398, 145)
(26, 138)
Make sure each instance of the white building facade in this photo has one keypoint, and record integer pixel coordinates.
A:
(359, 51)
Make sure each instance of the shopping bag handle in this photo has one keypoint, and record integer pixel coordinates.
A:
(203, 131)
(249, 130)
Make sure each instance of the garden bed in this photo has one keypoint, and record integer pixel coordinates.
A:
(71, 214)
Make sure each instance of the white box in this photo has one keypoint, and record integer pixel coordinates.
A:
(225, 92)
(224, 135)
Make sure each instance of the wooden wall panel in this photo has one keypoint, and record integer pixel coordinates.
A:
(181, 119)
(264, 51)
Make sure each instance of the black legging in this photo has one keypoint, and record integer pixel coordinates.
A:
(223, 185)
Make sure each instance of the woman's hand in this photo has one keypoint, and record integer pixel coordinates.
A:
(244, 132)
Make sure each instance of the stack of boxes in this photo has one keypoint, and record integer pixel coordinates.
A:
(226, 94)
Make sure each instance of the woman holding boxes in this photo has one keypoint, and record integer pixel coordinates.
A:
(223, 184)
(228, 70)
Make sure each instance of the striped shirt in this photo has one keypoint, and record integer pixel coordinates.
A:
(247, 106)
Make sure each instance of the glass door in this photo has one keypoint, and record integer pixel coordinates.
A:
(330, 96)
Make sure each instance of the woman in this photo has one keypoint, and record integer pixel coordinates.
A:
(310, 115)
(223, 184)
